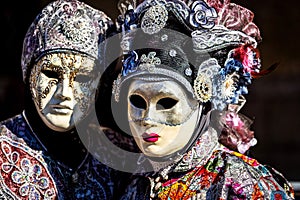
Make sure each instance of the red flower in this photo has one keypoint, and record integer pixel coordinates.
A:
(249, 57)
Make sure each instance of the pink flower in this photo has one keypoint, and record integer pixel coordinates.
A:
(235, 133)
(218, 4)
(235, 17)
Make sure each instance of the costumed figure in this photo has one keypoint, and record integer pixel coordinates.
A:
(41, 154)
(185, 70)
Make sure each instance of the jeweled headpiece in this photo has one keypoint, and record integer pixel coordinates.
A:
(64, 25)
(207, 46)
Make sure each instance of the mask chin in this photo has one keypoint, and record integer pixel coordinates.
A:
(201, 126)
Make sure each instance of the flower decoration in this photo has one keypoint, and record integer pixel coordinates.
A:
(130, 19)
(224, 91)
(236, 17)
(77, 30)
(229, 85)
(150, 59)
(203, 88)
(130, 63)
(201, 15)
(217, 4)
(154, 19)
(203, 83)
(249, 57)
(32, 185)
(244, 79)
(235, 132)
(242, 61)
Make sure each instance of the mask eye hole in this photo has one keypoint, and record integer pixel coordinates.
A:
(138, 101)
(50, 74)
(166, 103)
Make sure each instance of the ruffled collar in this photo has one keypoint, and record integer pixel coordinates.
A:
(198, 155)
(200, 152)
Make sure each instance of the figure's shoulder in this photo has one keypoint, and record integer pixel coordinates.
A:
(235, 161)
(281, 180)
(9, 138)
(15, 122)
(250, 174)
(15, 131)
(7, 134)
(243, 160)
(18, 160)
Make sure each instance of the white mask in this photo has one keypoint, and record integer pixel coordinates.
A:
(62, 87)
(162, 118)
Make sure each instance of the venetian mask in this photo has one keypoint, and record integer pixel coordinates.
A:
(62, 87)
(162, 118)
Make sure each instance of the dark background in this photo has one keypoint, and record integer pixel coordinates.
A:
(273, 101)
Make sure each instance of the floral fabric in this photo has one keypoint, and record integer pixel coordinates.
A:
(224, 174)
(28, 172)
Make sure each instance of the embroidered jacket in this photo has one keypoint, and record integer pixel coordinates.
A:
(211, 171)
(27, 171)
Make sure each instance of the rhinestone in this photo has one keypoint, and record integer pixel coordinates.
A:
(188, 71)
(172, 53)
(164, 37)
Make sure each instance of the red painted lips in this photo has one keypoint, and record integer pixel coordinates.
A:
(152, 137)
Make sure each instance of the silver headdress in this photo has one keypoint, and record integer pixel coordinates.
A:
(64, 25)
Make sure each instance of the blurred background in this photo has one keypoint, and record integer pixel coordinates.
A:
(274, 100)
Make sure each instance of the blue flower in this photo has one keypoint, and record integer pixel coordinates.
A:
(244, 81)
(130, 20)
(244, 78)
(202, 15)
(231, 66)
(130, 63)
(247, 78)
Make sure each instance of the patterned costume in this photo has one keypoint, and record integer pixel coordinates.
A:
(37, 161)
(175, 53)
(212, 171)
(28, 171)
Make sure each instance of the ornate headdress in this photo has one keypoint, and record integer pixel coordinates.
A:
(64, 25)
(208, 47)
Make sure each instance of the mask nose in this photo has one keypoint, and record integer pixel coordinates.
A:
(148, 119)
(64, 90)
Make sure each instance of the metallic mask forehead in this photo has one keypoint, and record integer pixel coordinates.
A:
(70, 61)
